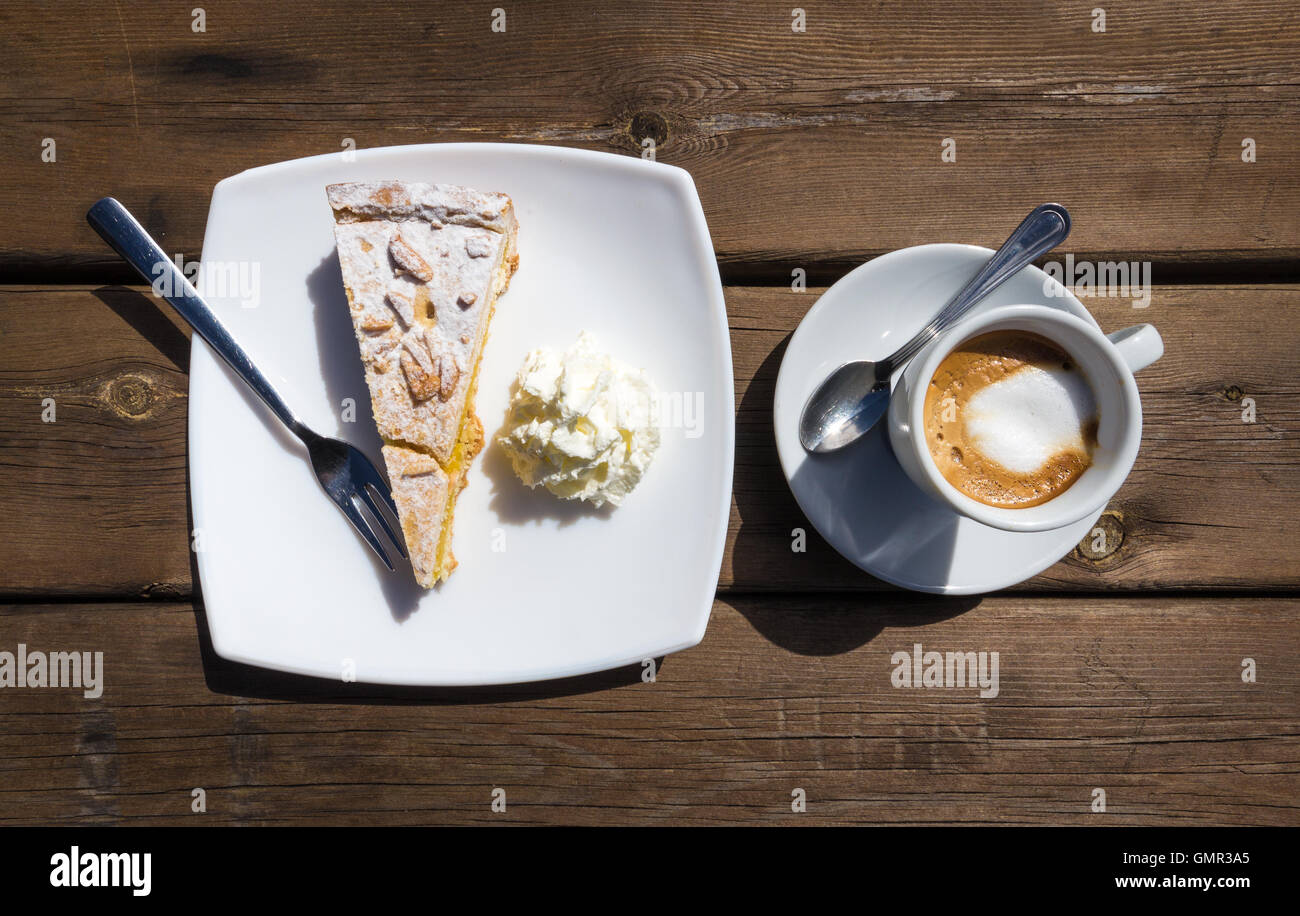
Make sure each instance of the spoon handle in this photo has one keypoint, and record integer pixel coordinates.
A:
(1042, 230)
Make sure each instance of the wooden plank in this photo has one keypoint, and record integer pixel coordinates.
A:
(810, 149)
(1141, 697)
(97, 502)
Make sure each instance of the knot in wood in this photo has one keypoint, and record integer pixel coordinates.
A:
(648, 124)
(1103, 538)
(131, 396)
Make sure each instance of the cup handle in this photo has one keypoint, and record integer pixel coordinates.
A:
(1140, 345)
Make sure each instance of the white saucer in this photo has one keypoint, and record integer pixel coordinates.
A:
(859, 499)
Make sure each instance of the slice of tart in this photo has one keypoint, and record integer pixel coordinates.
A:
(423, 265)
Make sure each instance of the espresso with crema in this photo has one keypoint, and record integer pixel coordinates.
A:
(1010, 419)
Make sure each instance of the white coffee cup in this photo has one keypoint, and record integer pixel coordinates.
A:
(1108, 362)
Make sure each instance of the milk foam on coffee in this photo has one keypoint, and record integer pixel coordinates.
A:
(1010, 419)
(1035, 413)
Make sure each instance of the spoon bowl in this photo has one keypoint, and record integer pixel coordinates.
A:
(834, 417)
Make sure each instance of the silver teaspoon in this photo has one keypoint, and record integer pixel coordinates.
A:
(856, 395)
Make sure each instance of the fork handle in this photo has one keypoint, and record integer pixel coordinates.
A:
(127, 237)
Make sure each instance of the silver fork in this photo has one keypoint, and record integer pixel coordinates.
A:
(344, 472)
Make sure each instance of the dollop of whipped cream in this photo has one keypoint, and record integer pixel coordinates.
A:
(581, 423)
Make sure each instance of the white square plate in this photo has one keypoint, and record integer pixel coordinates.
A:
(611, 244)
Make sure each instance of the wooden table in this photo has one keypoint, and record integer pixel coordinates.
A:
(1171, 136)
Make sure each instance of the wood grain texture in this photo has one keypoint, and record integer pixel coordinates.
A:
(96, 501)
(1141, 697)
(810, 149)
(96, 498)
